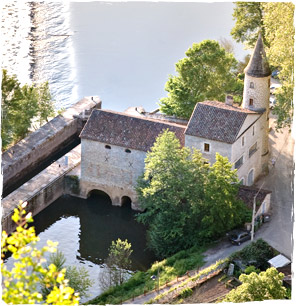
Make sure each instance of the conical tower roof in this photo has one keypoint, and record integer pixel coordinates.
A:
(258, 65)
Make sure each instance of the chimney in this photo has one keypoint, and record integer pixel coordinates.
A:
(229, 100)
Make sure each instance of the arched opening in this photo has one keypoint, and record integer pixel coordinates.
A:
(103, 196)
(126, 202)
(251, 178)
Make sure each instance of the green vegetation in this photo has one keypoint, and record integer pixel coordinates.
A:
(275, 21)
(141, 282)
(21, 284)
(258, 287)
(21, 106)
(182, 194)
(78, 277)
(207, 72)
(117, 264)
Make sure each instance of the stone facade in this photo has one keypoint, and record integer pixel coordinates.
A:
(111, 169)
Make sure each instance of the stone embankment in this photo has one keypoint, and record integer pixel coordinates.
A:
(29, 154)
(41, 190)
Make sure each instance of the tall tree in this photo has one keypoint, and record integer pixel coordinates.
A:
(20, 106)
(249, 21)
(266, 285)
(207, 72)
(177, 193)
(280, 30)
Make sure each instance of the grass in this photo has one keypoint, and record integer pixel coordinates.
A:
(169, 269)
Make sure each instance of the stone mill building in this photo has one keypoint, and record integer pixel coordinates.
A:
(114, 145)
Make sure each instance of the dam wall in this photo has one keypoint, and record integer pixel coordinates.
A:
(29, 154)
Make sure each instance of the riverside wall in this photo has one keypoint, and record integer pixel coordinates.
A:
(28, 154)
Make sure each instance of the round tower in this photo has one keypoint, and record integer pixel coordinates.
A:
(256, 95)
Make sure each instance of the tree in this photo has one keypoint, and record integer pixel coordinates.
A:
(21, 105)
(275, 21)
(21, 284)
(221, 209)
(118, 264)
(78, 278)
(258, 287)
(248, 17)
(176, 193)
(208, 72)
(279, 29)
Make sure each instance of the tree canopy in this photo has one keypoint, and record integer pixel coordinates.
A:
(207, 72)
(21, 105)
(177, 195)
(275, 21)
(21, 284)
(266, 285)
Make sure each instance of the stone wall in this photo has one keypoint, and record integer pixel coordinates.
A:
(111, 169)
(28, 154)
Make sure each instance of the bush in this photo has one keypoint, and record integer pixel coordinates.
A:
(251, 269)
(186, 292)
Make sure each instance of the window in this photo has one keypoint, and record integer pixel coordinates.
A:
(239, 163)
(251, 84)
(128, 151)
(253, 131)
(207, 147)
(243, 141)
(107, 147)
(251, 103)
(253, 149)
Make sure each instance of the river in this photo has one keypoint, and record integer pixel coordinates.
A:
(122, 52)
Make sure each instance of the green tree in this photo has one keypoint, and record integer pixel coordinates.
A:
(78, 278)
(206, 73)
(21, 105)
(21, 284)
(280, 31)
(258, 287)
(275, 21)
(221, 209)
(118, 264)
(248, 18)
(177, 193)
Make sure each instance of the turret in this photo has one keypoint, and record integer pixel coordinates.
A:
(257, 80)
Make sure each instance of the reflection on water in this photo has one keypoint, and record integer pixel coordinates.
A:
(85, 230)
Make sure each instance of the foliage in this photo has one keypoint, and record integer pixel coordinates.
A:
(21, 284)
(275, 21)
(280, 31)
(21, 105)
(186, 292)
(78, 278)
(141, 282)
(259, 252)
(181, 194)
(207, 72)
(118, 264)
(248, 17)
(251, 269)
(258, 287)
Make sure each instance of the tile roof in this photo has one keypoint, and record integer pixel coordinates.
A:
(217, 121)
(258, 65)
(127, 131)
(247, 194)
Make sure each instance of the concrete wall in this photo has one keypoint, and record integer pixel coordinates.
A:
(37, 203)
(113, 171)
(215, 146)
(30, 152)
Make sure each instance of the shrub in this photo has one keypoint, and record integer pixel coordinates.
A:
(186, 292)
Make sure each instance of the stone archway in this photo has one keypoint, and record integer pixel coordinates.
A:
(101, 193)
(126, 201)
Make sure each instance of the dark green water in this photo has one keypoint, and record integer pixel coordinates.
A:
(85, 230)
